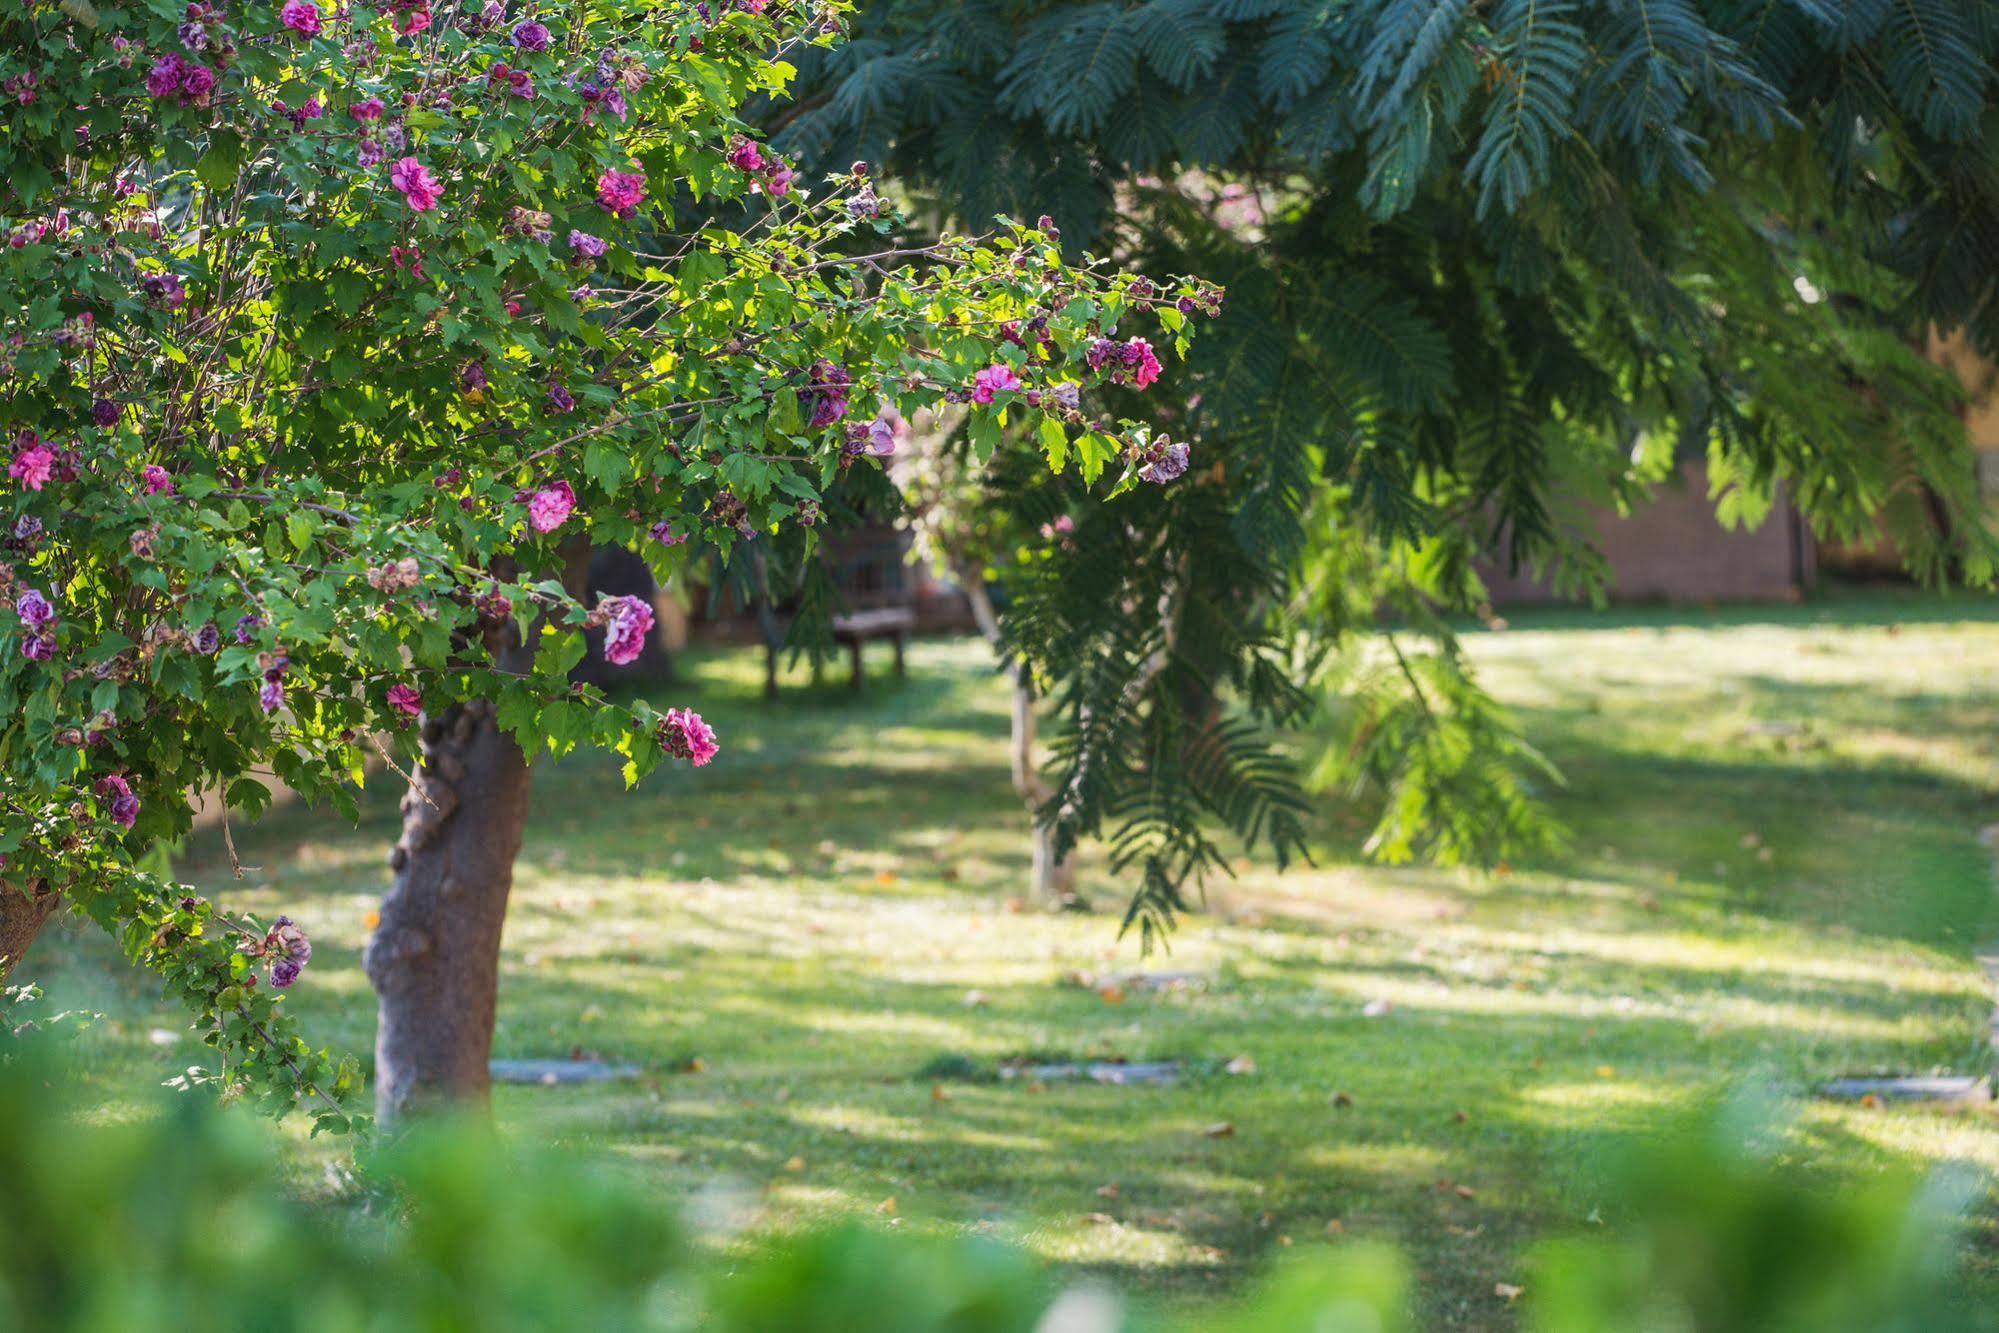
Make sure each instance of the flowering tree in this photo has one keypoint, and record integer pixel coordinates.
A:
(334, 336)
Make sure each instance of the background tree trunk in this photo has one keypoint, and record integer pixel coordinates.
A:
(434, 959)
(23, 912)
(1054, 881)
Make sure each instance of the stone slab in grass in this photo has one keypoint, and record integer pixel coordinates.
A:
(1916, 1088)
(1100, 1071)
(549, 1073)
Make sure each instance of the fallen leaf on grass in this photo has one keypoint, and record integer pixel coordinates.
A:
(1466, 1192)
(1112, 994)
(939, 1093)
(1242, 1064)
(1506, 1291)
(886, 1205)
(795, 1164)
(1335, 1227)
(1220, 1130)
(1100, 1219)
(1108, 1191)
(1376, 1008)
(1037, 1086)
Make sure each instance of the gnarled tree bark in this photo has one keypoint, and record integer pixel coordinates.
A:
(23, 913)
(434, 959)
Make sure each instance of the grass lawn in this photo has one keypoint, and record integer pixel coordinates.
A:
(1775, 875)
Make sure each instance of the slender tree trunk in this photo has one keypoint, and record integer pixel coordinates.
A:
(23, 912)
(434, 959)
(1054, 882)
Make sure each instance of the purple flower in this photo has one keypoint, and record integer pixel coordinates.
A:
(530, 35)
(197, 81)
(286, 945)
(625, 632)
(744, 155)
(27, 527)
(247, 627)
(163, 79)
(207, 639)
(301, 16)
(124, 808)
(585, 246)
(271, 695)
(1068, 396)
(663, 533)
(405, 699)
(1167, 462)
(155, 481)
(560, 399)
(619, 192)
(35, 610)
(827, 396)
(104, 412)
(367, 110)
(39, 647)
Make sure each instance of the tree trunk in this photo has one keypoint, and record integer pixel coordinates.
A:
(1054, 882)
(434, 959)
(23, 912)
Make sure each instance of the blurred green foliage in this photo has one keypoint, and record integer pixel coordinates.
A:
(185, 1219)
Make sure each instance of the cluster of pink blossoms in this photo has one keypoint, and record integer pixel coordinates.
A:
(773, 174)
(420, 189)
(1132, 362)
(33, 462)
(826, 395)
(619, 192)
(301, 16)
(549, 508)
(996, 378)
(683, 735)
(190, 81)
(627, 622)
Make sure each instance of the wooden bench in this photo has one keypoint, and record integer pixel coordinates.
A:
(854, 629)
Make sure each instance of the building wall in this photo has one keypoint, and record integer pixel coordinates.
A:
(1674, 549)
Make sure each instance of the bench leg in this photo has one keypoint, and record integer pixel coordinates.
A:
(901, 672)
(856, 682)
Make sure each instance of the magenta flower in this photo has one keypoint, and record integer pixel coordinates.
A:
(197, 81)
(881, 435)
(154, 480)
(33, 465)
(367, 110)
(405, 699)
(124, 805)
(683, 735)
(663, 533)
(619, 192)
(301, 16)
(39, 647)
(625, 632)
(585, 246)
(163, 79)
(777, 180)
(550, 507)
(104, 412)
(1140, 360)
(420, 190)
(560, 399)
(743, 155)
(530, 35)
(996, 378)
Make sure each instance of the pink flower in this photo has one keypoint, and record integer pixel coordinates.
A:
(301, 16)
(996, 378)
(625, 632)
(415, 21)
(163, 79)
(778, 179)
(419, 188)
(551, 506)
(619, 192)
(683, 735)
(1144, 365)
(33, 466)
(405, 699)
(197, 81)
(367, 109)
(881, 435)
(154, 480)
(744, 156)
